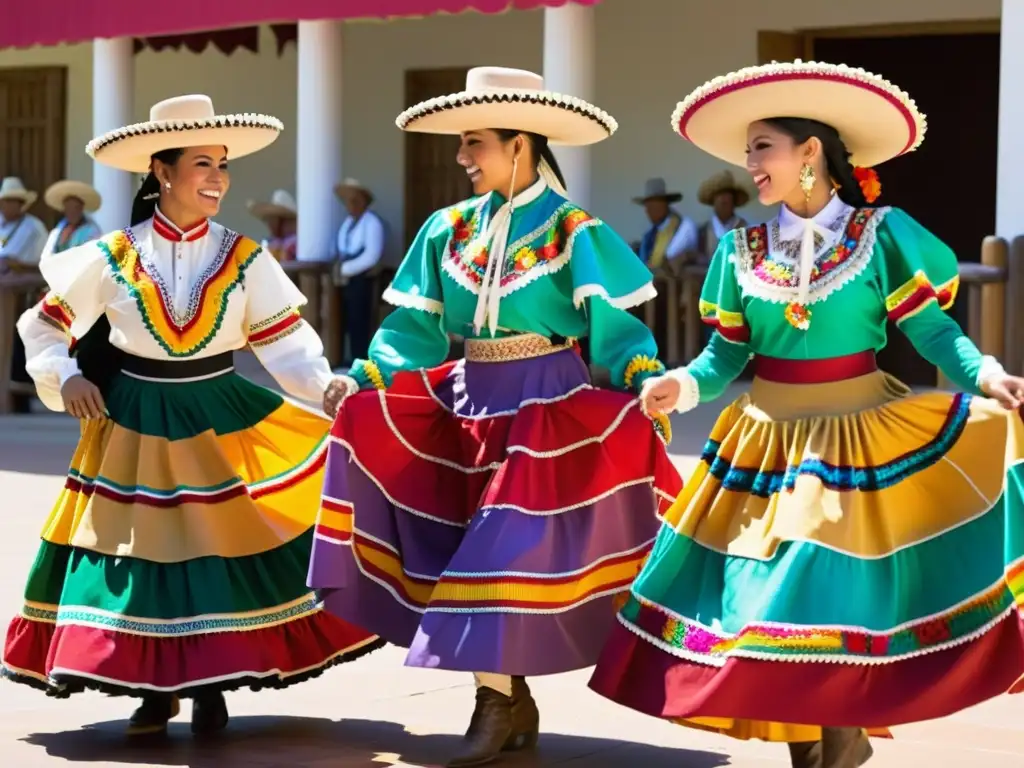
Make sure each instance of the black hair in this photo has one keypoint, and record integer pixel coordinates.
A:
(144, 205)
(98, 359)
(837, 156)
(541, 150)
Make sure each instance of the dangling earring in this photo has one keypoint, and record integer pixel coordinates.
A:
(807, 181)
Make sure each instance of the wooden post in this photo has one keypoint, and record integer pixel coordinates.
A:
(8, 318)
(995, 252)
(334, 339)
(1014, 358)
(672, 320)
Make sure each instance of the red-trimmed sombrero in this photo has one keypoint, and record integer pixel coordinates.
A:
(875, 119)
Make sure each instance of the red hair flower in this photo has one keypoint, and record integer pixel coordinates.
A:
(867, 178)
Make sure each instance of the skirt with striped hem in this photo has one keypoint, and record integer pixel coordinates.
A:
(487, 516)
(855, 570)
(175, 557)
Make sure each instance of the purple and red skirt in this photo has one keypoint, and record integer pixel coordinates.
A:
(489, 516)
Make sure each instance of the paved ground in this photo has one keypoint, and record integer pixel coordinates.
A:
(377, 713)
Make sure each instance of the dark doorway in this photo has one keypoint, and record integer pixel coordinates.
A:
(949, 184)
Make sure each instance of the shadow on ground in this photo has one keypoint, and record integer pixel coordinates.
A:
(297, 742)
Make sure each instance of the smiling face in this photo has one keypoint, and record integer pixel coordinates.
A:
(488, 161)
(199, 181)
(774, 161)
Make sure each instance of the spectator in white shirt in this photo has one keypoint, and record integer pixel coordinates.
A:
(360, 246)
(22, 237)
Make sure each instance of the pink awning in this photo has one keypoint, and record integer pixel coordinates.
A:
(49, 22)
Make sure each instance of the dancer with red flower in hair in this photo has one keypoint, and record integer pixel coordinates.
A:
(849, 555)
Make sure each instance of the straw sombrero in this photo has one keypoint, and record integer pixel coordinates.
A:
(496, 97)
(184, 121)
(281, 204)
(875, 119)
(348, 186)
(12, 188)
(60, 191)
(722, 182)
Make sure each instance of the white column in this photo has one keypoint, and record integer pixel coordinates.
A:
(318, 162)
(1010, 163)
(113, 96)
(569, 68)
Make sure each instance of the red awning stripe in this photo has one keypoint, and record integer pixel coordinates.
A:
(50, 22)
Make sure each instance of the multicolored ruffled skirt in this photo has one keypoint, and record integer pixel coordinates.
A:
(175, 557)
(486, 515)
(847, 554)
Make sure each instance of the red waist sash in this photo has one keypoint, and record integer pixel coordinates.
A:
(821, 371)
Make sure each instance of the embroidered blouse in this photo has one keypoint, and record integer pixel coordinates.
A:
(172, 295)
(871, 264)
(565, 273)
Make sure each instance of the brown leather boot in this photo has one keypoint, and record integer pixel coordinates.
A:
(845, 748)
(153, 714)
(838, 748)
(209, 714)
(525, 718)
(805, 754)
(490, 729)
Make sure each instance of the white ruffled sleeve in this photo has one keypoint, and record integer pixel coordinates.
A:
(80, 288)
(286, 345)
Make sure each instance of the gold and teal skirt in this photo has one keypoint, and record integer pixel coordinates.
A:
(175, 557)
(846, 554)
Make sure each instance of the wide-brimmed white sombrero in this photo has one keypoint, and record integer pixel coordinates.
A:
(60, 191)
(184, 121)
(12, 188)
(353, 186)
(281, 204)
(875, 119)
(514, 99)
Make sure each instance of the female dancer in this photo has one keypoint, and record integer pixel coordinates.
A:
(848, 553)
(173, 563)
(487, 513)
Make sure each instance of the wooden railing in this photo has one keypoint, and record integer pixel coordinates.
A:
(994, 291)
(15, 289)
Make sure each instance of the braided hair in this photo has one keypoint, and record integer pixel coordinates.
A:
(837, 156)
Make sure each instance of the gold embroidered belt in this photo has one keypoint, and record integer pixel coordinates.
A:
(521, 347)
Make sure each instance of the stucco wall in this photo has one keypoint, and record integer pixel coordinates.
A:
(650, 54)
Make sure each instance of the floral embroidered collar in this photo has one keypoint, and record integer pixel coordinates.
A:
(168, 230)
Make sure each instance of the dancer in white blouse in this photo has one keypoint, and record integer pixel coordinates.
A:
(174, 561)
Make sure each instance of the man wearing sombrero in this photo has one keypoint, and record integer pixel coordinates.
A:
(723, 195)
(671, 233)
(280, 214)
(848, 552)
(75, 200)
(361, 240)
(173, 563)
(487, 513)
(22, 237)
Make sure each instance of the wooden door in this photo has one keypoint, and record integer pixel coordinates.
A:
(949, 184)
(32, 130)
(433, 179)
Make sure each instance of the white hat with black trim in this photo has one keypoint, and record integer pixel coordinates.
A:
(513, 99)
(183, 121)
